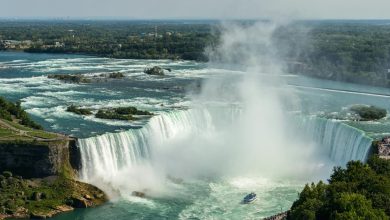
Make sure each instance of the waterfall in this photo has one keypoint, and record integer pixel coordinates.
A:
(340, 141)
(109, 153)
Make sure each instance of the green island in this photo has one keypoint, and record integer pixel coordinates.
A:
(38, 169)
(369, 113)
(78, 110)
(80, 78)
(121, 113)
(359, 191)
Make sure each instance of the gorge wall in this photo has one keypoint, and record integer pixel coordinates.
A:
(33, 159)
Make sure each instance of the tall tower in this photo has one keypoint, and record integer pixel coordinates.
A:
(155, 31)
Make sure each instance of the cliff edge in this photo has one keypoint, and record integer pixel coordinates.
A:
(38, 172)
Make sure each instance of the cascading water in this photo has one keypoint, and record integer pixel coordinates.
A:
(236, 138)
(108, 153)
(339, 141)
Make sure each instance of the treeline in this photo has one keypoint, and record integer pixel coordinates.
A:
(117, 39)
(359, 191)
(357, 52)
(14, 112)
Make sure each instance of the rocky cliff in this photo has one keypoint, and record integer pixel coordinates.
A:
(38, 159)
(38, 178)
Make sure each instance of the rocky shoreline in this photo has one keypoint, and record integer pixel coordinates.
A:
(279, 216)
(46, 197)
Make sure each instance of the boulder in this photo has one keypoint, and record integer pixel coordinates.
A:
(64, 208)
(156, 70)
(138, 194)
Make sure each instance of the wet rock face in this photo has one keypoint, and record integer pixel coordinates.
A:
(37, 160)
(81, 203)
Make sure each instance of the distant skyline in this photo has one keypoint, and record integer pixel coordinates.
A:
(196, 9)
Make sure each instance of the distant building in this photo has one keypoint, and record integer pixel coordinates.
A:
(59, 44)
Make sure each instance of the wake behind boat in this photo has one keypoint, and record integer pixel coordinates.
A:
(251, 197)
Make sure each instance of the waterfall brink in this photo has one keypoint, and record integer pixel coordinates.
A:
(107, 154)
(341, 142)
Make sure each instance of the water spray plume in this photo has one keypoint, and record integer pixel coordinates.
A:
(240, 124)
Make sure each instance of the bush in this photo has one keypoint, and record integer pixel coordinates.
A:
(131, 110)
(9, 109)
(7, 174)
(109, 114)
(121, 113)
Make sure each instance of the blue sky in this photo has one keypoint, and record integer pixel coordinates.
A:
(198, 9)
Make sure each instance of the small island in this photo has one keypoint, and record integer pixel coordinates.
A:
(369, 113)
(70, 78)
(78, 110)
(120, 113)
(81, 78)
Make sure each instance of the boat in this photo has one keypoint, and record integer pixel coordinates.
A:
(249, 198)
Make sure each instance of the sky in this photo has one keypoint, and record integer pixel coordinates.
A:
(197, 9)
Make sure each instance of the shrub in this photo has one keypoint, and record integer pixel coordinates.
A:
(7, 174)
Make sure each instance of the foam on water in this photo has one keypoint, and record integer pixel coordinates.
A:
(111, 155)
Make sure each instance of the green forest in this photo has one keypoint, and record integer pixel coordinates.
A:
(359, 191)
(357, 52)
(119, 39)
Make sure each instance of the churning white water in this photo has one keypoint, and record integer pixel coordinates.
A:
(182, 144)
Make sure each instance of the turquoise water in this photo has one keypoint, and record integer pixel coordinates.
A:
(212, 196)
